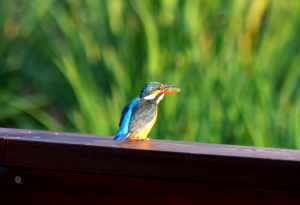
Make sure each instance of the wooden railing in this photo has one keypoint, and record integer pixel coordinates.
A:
(41, 167)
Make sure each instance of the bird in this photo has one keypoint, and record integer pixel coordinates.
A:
(139, 115)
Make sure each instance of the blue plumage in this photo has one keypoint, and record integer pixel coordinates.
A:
(148, 88)
(125, 118)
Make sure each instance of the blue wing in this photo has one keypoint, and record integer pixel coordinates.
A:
(124, 111)
(142, 114)
(125, 118)
(135, 116)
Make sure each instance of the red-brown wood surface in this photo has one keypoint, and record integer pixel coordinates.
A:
(52, 187)
(2, 149)
(156, 158)
(68, 168)
(2, 161)
(2, 185)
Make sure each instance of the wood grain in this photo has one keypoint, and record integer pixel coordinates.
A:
(154, 159)
(2, 185)
(52, 187)
(2, 149)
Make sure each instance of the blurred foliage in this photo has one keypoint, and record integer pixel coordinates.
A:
(72, 65)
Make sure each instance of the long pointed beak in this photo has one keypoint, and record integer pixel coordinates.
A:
(167, 89)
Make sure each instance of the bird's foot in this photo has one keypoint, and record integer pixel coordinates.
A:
(146, 139)
(133, 138)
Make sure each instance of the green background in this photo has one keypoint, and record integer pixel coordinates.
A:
(73, 65)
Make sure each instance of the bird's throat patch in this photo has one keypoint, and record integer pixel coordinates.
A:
(152, 96)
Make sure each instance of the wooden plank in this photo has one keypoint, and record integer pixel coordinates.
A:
(156, 158)
(2, 149)
(2, 162)
(52, 187)
(2, 184)
(154, 145)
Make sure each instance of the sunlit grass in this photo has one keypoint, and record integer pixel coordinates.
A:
(237, 62)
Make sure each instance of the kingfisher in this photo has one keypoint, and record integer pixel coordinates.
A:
(139, 115)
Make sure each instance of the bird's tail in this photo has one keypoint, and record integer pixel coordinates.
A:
(121, 136)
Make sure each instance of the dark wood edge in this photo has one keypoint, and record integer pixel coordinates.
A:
(163, 159)
(56, 187)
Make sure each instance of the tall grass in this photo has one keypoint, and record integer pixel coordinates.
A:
(73, 65)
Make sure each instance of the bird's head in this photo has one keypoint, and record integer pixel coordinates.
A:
(155, 91)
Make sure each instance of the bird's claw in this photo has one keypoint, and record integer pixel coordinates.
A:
(139, 139)
(133, 138)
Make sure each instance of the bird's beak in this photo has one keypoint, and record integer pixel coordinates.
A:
(167, 89)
